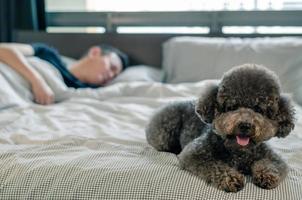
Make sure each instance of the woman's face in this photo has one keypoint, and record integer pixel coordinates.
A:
(101, 69)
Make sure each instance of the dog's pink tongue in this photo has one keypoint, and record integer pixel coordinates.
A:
(243, 141)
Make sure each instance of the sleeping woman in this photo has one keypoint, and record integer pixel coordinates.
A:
(96, 68)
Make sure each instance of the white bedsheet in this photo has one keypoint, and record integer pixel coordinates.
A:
(92, 145)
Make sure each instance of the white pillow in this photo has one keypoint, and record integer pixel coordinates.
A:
(190, 59)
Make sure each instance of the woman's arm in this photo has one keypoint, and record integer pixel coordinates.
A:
(14, 56)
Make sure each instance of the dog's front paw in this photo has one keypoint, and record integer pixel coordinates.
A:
(233, 181)
(266, 178)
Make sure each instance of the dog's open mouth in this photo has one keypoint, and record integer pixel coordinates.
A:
(242, 140)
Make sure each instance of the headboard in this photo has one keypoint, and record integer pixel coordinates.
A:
(141, 48)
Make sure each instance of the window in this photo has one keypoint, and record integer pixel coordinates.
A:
(216, 17)
(167, 29)
(261, 30)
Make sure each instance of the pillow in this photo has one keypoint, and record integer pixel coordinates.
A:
(139, 73)
(190, 59)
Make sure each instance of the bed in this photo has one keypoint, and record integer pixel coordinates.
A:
(91, 144)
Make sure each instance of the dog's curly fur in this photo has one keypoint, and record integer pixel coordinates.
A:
(207, 134)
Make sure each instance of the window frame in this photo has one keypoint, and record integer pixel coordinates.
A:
(215, 20)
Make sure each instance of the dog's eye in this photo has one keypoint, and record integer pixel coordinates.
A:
(270, 113)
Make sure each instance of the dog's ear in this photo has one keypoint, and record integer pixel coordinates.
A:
(285, 117)
(206, 103)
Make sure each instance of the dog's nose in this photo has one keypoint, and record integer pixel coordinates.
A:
(244, 127)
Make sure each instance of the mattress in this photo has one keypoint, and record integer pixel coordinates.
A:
(92, 146)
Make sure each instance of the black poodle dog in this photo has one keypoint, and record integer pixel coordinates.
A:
(221, 137)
